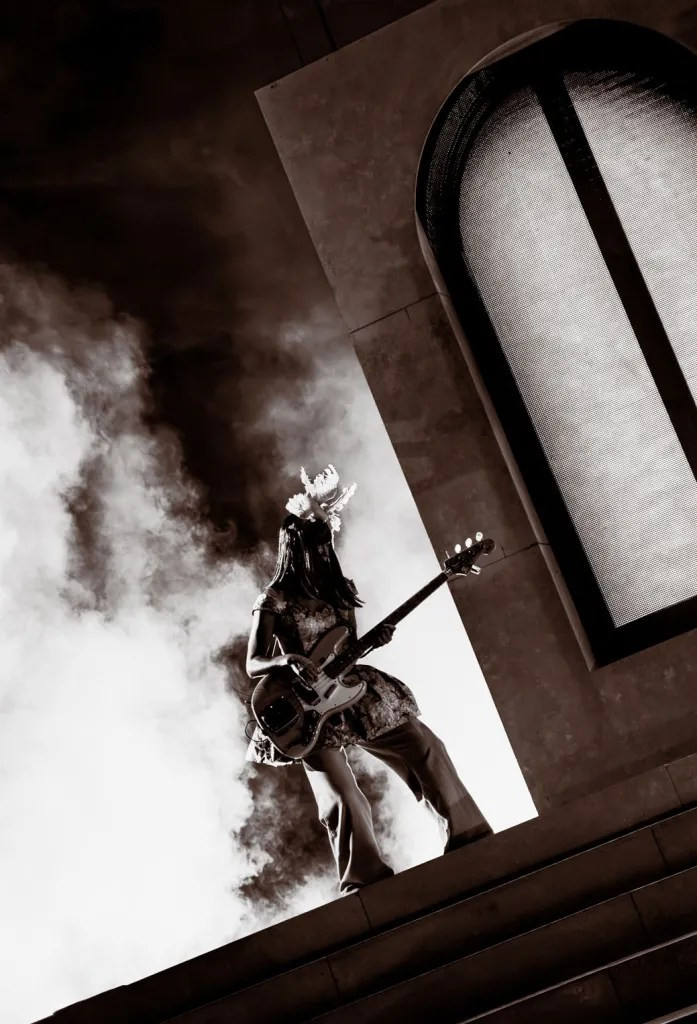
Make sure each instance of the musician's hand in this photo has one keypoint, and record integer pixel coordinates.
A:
(342, 644)
(384, 634)
(302, 666)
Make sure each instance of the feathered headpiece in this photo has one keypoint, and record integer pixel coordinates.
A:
(322, 498)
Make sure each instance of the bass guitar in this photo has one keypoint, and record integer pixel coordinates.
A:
(291, 711)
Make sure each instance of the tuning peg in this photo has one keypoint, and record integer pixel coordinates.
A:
(458, 549)
(468, 542)
(479, 536)
(476, 569)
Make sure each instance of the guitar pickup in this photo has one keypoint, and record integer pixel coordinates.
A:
(305, 692)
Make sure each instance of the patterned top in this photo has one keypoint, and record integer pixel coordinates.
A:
(387, 702)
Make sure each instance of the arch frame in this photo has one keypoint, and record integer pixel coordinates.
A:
(585, 45)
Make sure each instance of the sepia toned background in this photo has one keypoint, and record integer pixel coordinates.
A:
(212, 274)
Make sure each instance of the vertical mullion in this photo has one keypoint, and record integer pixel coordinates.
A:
(621, 262)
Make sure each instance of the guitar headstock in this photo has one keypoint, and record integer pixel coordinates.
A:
(464, 561)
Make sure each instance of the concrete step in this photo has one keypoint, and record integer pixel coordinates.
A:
(599, 965)
(528, 902)
(687, 1013)
(611, 995)
(456, 960)
(571, 858)
(631, 991)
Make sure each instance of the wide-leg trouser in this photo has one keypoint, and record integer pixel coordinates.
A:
(419, 757)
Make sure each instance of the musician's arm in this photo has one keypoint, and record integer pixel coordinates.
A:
(261, 640)
(260, 645)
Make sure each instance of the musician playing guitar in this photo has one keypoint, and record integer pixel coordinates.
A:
(308, 596)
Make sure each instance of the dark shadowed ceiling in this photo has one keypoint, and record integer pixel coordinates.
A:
(133, 155)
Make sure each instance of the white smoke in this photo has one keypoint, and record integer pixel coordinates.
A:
(123, 784)
(122, 757)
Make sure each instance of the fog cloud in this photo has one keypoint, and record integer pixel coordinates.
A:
(123, 782)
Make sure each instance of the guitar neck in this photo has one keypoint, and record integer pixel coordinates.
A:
(365, 643)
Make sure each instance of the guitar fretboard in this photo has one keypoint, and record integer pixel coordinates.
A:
(363, 644)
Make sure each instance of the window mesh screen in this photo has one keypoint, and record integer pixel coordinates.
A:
(645, 142)
(591, 398)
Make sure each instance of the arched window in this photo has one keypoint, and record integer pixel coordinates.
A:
(558, 193)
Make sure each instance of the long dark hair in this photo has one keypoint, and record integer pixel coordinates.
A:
(302, 571)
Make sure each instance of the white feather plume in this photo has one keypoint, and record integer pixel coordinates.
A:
(322, 498)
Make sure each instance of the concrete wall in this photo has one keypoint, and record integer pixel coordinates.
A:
(349, 130)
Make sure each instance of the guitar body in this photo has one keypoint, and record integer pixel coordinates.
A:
(291, 713)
